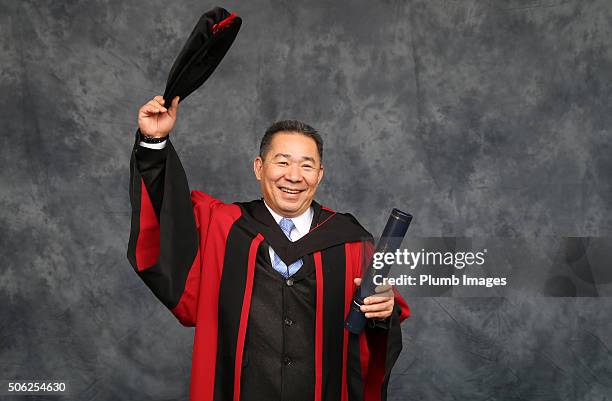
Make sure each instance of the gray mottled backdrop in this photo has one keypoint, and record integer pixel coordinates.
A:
(483, 118)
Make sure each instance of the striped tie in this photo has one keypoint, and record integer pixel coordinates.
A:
(287, 271)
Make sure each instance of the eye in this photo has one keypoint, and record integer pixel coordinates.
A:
(307, 167)
(282, 163)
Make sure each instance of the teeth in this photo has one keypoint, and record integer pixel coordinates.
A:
(289, 191)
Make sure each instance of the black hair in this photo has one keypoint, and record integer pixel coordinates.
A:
(293, 126)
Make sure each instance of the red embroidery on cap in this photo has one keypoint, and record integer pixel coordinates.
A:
(223, 24)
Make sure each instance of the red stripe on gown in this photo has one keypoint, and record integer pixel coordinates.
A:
(319, 328)
(147, 243)
(184, 308)
(244, 313)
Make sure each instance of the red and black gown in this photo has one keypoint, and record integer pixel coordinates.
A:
(258, 336)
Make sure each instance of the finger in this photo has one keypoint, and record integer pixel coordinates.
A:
(381, 308)
(379, 297)
(149, 109)
(156, 110)
(173, 110)
(373, 300)
(378, 307)
(155, 104)
(159, 99)
(357, 281)
(379, 315)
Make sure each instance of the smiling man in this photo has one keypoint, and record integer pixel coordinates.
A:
(266, 283)
(289, 167)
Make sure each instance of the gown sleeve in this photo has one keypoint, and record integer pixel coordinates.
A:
(165, 237)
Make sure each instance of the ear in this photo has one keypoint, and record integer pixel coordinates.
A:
(257, 166)
(320, 175)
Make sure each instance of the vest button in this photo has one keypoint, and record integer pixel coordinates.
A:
(289, 282)
(288, 321)
(287, 361)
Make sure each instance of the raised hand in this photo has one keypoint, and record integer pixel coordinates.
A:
(156, 120)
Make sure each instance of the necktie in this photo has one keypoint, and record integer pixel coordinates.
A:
(287, 271)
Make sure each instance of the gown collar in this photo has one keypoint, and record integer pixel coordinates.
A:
(328, 228)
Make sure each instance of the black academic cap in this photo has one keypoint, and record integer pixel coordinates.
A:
(209, 41)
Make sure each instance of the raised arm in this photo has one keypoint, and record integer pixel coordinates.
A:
(164, 241)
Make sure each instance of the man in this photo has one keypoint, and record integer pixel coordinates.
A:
(267, 283)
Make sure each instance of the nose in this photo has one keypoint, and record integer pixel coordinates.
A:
(293, 173)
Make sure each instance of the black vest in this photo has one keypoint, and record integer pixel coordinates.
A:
(279, 345)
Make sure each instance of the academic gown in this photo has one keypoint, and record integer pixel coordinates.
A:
(258, 336)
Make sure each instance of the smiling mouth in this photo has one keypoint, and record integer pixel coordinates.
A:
(290, 191)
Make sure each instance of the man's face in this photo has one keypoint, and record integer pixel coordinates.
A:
(289, 173)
